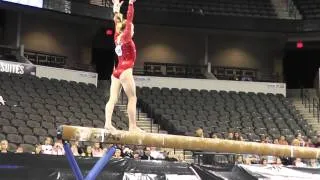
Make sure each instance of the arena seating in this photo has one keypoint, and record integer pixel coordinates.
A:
(36, 106)
(245, 8)
(183, 111)
(310, 9)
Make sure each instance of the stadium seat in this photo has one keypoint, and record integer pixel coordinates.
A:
(33, 124)
(29, 139)
(18, 123)
(47, 125)
(12, 147)
(28, 148)
(54, 103)
(14, 138)
(9, 130)
(2, 137)
(40, 132)
(251, 114)
(25, 131)
(52, 132)
(4, 122)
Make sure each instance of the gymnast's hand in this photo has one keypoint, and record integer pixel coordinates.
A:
(115, 1)
(132, 1)
(117, 6)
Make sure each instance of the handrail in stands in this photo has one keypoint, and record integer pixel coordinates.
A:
(313, 104)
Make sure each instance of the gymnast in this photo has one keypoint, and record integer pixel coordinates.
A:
(123, 74)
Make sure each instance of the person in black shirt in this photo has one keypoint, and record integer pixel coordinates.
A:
(147, 154)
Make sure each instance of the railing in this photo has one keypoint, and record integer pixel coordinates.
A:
(315, 109)
(173, 70)
(235, 73)
(305, 99)
(46, 59)
(11, 53)
(292, 9)
(122, 97)
(312, 104)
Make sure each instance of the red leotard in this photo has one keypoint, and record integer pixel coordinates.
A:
(127, 48)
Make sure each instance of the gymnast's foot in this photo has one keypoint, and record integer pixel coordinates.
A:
(136, 129)
(110, 128)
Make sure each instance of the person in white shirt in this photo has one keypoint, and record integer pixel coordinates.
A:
(47, 147)
(156, 154)
(299, 163)
(58, 148)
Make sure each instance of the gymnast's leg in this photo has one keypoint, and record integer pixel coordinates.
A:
(129, 87)
(113, 98)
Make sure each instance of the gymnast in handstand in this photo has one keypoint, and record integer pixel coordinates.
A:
(123, 74)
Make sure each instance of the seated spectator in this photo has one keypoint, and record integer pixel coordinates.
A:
(47, 147)
(299, 163)
(81, 151)
(237, 137)
(264, 162)
(2, 101)
(253, 158)
(214, 136)
(268, 140)
(314, 163)
(38, 149)
(199, 133)
(155, 153)
(278, 162)
(269, 159)
(295, 142)
(97, 151)
(317, 144)
(74, 148)
(283, 141)
(170, 156)
(57, 148)
(298, 141)
(275, 141)
(239, 160)
(136, 155)
(309, 143)
(127, 152)
(263, 139)
(19, 150)
(117, 154)
(140, 150)
(147, 154)
(247, 161)
(88, 151)
(230, 136)
(4, 146)
(180, 158)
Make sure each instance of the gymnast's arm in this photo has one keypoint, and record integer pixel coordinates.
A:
(118, 17)
(130, 15)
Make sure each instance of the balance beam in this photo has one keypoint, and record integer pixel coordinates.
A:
(77, 133)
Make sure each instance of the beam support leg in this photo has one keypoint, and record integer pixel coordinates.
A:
(103, 161)
(72, 161)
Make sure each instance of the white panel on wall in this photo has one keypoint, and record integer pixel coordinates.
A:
(208, 84)
(67, 74)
